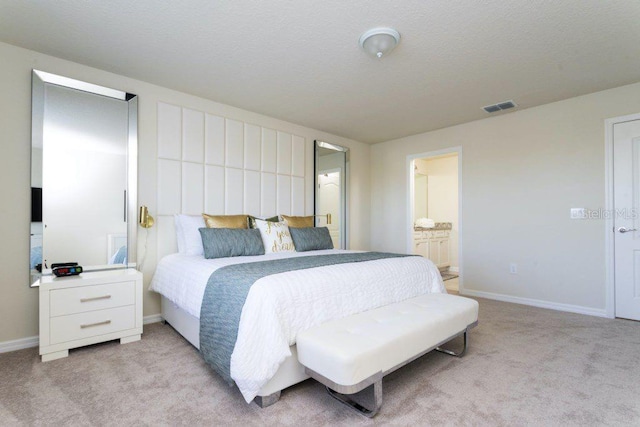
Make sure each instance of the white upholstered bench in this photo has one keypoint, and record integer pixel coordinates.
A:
(350, 354)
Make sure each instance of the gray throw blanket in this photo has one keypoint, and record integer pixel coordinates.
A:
(227, 291)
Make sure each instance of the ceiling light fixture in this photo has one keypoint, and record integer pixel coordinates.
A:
(379, 41)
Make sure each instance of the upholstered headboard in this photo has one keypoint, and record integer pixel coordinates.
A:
(208, 163)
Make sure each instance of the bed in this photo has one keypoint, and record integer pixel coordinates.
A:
(278, 306)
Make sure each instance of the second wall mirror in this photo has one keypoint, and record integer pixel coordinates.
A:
(331, 168)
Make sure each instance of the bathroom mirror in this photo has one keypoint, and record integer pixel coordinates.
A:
(331, 169)
(83, 175)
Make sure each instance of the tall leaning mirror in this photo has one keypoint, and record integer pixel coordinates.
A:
(83, 175)
(331, 168)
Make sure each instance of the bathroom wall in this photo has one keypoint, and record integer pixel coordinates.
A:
(420, 196)
(442, 199)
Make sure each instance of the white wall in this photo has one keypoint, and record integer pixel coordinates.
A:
(18, 305)
(36, 173)
(521, 173)
(420, 196)
(331, 161)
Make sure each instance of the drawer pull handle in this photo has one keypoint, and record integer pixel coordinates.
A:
(106, 322)
(95, 298)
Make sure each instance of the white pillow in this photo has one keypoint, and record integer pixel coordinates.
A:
(275, 236)
(188, 234)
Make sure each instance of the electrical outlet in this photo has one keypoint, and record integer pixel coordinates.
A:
(513, 268)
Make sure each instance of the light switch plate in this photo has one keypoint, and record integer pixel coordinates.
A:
(578, 213)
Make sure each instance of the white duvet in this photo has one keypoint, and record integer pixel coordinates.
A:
(280, 306)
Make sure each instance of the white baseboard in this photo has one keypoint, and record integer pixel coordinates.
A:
(18, 344)
(537, 303)
(152, 318)
(30, 342)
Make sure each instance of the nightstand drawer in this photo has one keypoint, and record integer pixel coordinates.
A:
(90, 324)
(82, 299)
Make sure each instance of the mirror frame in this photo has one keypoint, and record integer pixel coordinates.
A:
(38, 81)
(344, 180)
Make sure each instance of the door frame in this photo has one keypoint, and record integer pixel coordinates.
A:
(411, 205)
(609, 240)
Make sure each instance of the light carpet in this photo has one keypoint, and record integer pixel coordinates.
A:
(525, 366)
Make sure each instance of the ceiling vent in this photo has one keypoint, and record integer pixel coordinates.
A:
(504, 105)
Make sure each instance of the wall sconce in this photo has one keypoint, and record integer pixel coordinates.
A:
(379, 41)
(145, 220)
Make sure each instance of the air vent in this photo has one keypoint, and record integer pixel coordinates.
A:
(505, 105)
(491, 108)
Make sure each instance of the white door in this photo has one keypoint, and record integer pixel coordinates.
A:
(626, 176)
(329, 203)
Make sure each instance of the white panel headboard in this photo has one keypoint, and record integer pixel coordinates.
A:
(218, 165)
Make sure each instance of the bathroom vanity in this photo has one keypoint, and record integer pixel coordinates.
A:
(433, 243)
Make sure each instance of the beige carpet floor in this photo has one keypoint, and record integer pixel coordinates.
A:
(525, 366)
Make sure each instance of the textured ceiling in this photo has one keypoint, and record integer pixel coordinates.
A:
(300, 61)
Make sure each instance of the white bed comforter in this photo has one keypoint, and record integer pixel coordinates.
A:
(280, 306)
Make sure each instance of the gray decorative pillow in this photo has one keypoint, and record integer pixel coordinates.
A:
(228, 242)
(311, 238)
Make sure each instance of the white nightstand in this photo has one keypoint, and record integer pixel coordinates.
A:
(87, 309)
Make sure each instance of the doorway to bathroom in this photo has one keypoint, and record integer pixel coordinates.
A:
(434, 211)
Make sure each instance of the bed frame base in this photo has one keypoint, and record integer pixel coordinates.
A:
(290, 372)
(264, 401)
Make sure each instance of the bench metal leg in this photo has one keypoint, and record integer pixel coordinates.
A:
(377, 396)
(264, 401)
(340, 392)
(453, 353)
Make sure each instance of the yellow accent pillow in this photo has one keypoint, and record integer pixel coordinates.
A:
(252, 220)
(298, 221)
(225, 221)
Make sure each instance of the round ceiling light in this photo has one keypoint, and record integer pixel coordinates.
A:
(379, 41)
